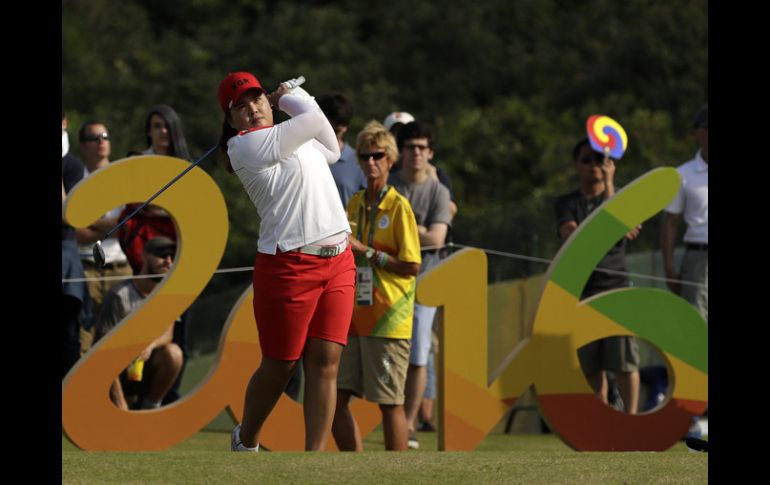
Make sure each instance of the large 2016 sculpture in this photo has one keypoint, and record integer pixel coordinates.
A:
(471, 401)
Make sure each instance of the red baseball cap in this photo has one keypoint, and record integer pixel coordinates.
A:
(233, 86)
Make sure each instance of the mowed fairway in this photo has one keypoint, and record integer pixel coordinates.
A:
(205, 458)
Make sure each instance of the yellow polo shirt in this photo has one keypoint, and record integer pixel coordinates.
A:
(395, 232)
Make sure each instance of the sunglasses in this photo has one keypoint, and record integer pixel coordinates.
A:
(165, 253)
(364, 157)
(102, 136)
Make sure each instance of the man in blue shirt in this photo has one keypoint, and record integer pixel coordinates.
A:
(347, 174)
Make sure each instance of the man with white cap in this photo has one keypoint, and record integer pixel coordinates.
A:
(430, 202)
(394, 121)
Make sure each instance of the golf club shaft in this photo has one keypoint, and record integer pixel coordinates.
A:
(192, 165)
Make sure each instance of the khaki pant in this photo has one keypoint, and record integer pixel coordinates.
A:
(375, 368)
(98, 289)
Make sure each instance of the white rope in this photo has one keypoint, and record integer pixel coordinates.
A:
(424, 248)
(137, 277)
(548, 261)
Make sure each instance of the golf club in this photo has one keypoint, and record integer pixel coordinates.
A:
(98, 252)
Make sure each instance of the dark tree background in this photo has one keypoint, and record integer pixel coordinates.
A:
(506, 85)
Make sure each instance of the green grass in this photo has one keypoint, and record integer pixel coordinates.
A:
(205, 458)
(195, 371)
(500, 458)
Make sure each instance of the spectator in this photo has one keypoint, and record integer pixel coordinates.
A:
(387, 248)
(347, 174)
(162, 358)
(394, 122)
(164, 136)
(164, 133)
(348, 178)
(692, 204)
(617, 354)
(425, 414)
(75, 294)
(95, 147)
(431, 205)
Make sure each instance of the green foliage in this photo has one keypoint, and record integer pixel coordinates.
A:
(506, 85)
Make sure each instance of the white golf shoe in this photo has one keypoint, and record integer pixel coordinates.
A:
(237, 445)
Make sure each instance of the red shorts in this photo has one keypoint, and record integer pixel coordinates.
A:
(297, 296)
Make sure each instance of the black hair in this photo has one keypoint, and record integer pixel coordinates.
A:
(598, 156)
(84, 126)
(178, 142)
(412, 130)
(227, 132)
(701, 119)
(337, 108)
(579, 146)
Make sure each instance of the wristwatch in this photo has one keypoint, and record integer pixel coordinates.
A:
(370, 253)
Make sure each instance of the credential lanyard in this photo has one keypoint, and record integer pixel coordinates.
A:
(359, 230)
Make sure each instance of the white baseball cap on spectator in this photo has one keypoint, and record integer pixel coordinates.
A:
(397, 117)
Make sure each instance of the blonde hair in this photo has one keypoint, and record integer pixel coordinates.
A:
(374, 133)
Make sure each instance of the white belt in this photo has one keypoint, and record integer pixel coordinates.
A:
(324, 251)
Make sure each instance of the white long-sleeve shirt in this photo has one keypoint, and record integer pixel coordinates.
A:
(285, 170)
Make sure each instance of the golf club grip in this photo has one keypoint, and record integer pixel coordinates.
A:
(192, 165)
(293, 83)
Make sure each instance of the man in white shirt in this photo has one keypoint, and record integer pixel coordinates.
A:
(691, 203)
(95, 148)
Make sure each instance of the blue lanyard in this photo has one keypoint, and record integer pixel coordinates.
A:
(359, 229)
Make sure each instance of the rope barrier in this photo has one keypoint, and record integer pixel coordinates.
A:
(424, 248)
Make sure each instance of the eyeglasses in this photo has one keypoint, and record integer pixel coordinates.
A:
(412, 146)
(364, 157)
(102, 136)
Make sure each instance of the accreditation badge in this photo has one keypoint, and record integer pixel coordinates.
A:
(364, 285)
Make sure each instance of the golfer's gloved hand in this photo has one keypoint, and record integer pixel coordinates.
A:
(293, 86)
(295, 82)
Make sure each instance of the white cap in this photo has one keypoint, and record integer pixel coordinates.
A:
(397, 117)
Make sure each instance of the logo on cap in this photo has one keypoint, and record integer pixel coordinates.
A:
(233, 86)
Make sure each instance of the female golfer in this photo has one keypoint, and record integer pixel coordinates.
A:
(304, 273)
